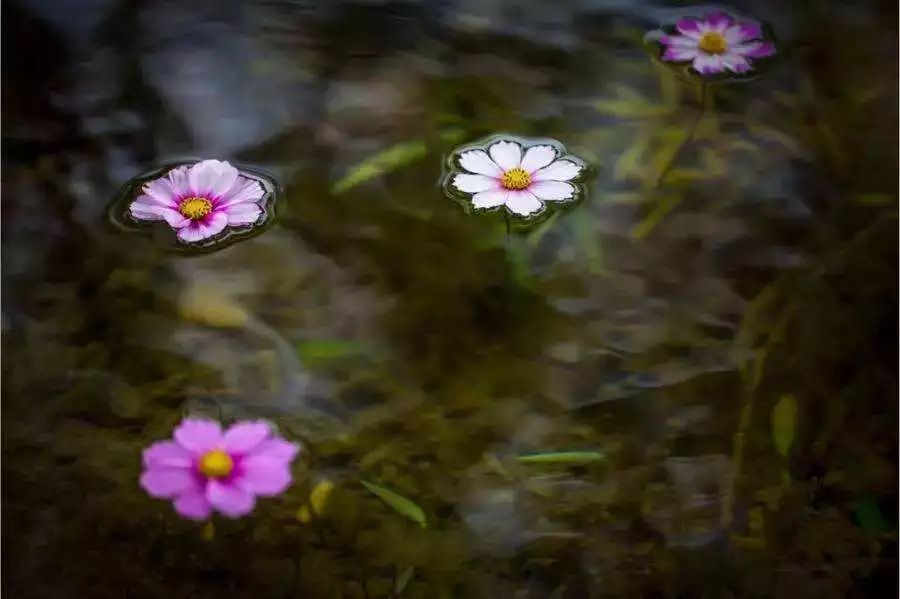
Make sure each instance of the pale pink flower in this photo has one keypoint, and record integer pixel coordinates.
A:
(519, 179)
(716, 44)
(204, 469)
(200, 200)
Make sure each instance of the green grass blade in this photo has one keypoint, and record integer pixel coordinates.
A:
(397, 502)
(561, 457)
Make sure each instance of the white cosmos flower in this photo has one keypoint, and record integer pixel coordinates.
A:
(504, 175)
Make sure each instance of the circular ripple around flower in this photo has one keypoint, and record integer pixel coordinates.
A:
(521, 176)
(206, 204)
(712, 46)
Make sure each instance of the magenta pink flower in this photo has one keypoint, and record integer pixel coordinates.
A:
(204, 469)
(717, 43)
(200, 200)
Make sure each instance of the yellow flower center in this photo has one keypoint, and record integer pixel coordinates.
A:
(195, 207)
(216, 464)
(713, 43)
(515, 178)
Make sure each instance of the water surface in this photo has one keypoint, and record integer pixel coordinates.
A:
(416, 346)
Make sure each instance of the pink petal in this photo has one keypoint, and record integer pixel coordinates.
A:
(199, 230)
(555, 191)
(708, 64)
(166, 483)
(736, 63)
(561, 170)
(198, 435)
(507, 154)
(175, 219)
(490, 199)
(537, 157)
(159, 191)
(754, 49)
(178, 181)
(277, 449)
(193, 505)
(244, 213)
(243, 437)
(211, 178)
(523, 203)
(265, 476)
(167, 454)
(229, 499)
(742, 32)
(680, 41)
(144, 209)
(242, 190)
(691, 28)
(474, 183)
(718, 21)
(478, 162)
(679, 54)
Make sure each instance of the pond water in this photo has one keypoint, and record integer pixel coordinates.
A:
(718, 343)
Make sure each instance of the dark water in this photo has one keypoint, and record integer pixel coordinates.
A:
(672, 328)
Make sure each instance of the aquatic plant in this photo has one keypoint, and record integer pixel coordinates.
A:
(203, 469)
(716, 44)
(199, 201)
(718, 47)
(519, 175)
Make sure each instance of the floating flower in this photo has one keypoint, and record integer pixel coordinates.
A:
(201, 200)
(519, 176)
(204, 469)
(716, 44)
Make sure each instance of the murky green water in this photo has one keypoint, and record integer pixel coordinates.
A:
(726, 340)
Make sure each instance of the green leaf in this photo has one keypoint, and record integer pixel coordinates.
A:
(870, 518)
(784, 416)
(874, 199)
(561, 457)
(323, 350)
(397, 502)
(383, 162)
(404, 579)
(665, 205)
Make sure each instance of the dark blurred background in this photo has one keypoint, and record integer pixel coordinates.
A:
(727, 339)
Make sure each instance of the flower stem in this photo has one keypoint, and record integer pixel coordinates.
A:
(691, 132)
(508, 248)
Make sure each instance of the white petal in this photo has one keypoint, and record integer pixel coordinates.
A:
(736, 63)
(552, 190)
(200, 230)
(561, 170)
(145, 208)
(244, 213)
(523, 202)
(680, 41)
(474, 183)
(211, 177)
(538, 157)
(178, 181)
(242, 190)
(477, 161)
(708, 64)
(507, 154)
(490, 199)
(678, 54)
